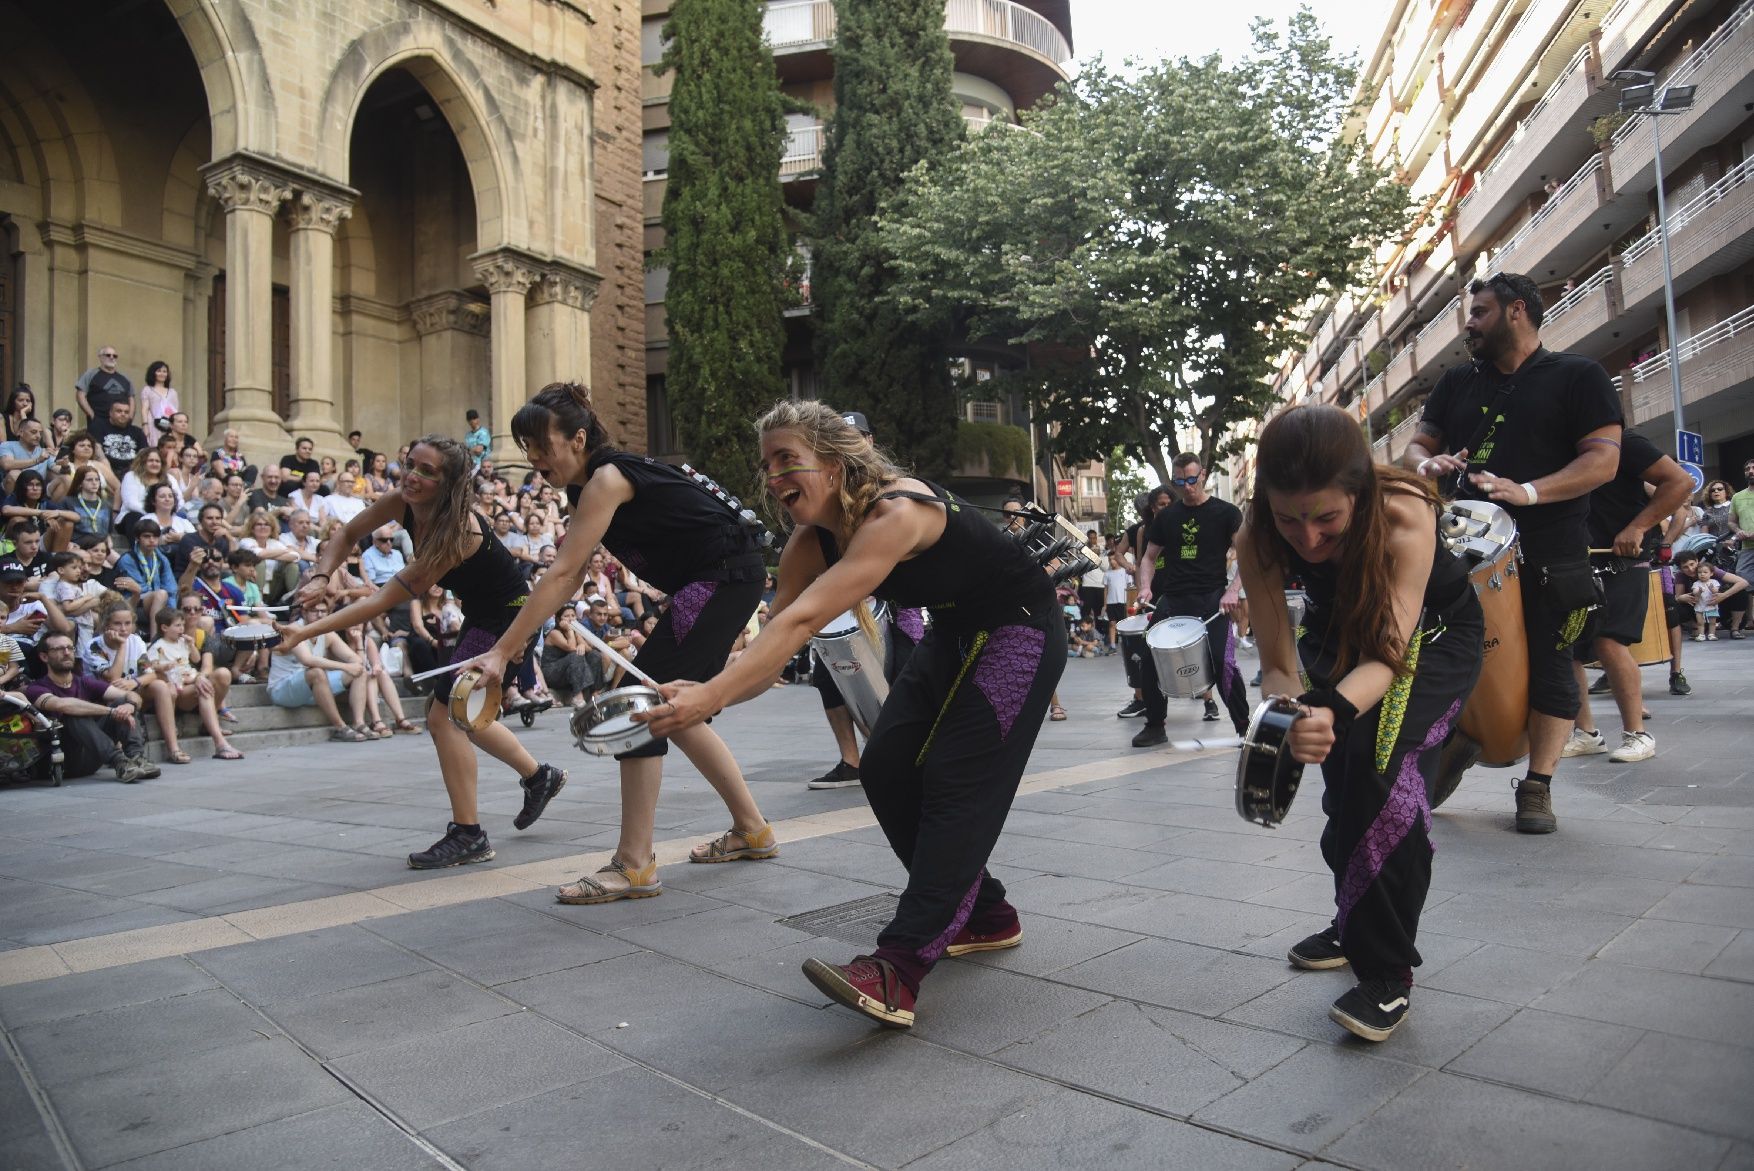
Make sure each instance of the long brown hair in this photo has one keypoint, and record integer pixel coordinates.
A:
(865, 469)
(445, 539)
(1309, 448)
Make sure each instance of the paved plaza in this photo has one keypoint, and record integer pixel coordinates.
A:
(231, 969)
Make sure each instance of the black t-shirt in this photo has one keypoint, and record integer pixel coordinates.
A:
(1193, 543)
(301, 467)
(1617, 503)
(216, 550)
(119, 444)
(674, 531)
(1553, 401)
(106, 389)
(259, 498)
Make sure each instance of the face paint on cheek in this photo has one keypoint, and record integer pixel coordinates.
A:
(796, 469)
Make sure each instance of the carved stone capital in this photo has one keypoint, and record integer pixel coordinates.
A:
(324, 212)
(449, 310)
(575, 288)
(238, 185)
(504, 272)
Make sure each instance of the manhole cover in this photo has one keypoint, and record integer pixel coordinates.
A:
(857, 922)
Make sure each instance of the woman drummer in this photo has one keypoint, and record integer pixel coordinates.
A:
(455, 548)
(943, 762)
(1391, 646)
(680, 538)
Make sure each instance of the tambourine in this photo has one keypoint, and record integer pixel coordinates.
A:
(251, 635)
(606, 727)
(1266, 775)
(475, 700)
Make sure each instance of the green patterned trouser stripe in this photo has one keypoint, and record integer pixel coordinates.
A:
(980, 640)
(1572, 628)
(1394, 706)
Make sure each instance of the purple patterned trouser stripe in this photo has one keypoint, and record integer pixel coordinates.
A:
(1227, 664)
(1406, 804)
(930, 953)
(686, 605)
(1007, 669)
(474, 642)
(911, 622)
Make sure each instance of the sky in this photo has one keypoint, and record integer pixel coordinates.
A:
(1154, 29)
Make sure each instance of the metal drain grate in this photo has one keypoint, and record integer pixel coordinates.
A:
(857, 922)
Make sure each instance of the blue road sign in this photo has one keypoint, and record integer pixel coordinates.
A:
(1696, 472)
(1689, 447)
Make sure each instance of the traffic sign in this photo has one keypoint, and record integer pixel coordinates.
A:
(1696, 472)
(1062, 487)
(1689, 447)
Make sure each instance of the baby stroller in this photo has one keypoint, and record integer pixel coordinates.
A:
(30, 744)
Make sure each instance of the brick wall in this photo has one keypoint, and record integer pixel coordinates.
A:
(618, 369)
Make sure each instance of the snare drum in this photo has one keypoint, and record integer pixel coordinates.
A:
(248, 636)
(474, 700)
(1497, 714)
(606, 727)
(857, 663)
(1131, 632)
(1178, 649)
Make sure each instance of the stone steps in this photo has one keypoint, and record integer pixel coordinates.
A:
(262, 725)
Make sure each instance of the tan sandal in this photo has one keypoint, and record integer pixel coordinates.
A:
(617, 882)
(734, 845)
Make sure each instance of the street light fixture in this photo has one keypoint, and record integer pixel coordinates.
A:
(1641, 99)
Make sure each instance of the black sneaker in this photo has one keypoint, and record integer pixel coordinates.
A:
(1211, 715)
(1319, 952)
(1534, 808)
(540, 788)
(456, 848)
(1372, 1010)
(1256, 681)
(1678, 684)
(1149, 735)
(1601, 686)
(841, 776)
(1132, 710)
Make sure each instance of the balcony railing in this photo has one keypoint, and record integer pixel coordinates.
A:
(1626, 28)
(1692, 209)
(803, 154)
(1584, 174)
(1529, 119)
(1577, 296)
(1742, 323)
(1692, 65)
(1445, 316)
(1713, 360)
(1580, 312)
(812, 22)
(1512, 59)
(1401, 436)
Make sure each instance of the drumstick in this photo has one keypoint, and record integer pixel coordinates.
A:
(445, 670)
(1202, 745)
(615, 657)
(242, 606)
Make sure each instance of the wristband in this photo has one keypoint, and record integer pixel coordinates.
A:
(1330, 698)
(1534, 497)
(315, 576)
(1421, 466)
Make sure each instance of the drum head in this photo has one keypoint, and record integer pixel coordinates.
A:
(251, 634)
(1137, 624)
(615, 726)
(474, 705)
(1172, 633)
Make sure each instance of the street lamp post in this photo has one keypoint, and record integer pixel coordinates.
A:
(1638, 100)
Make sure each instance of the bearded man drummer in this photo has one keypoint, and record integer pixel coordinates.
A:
(1534, 431)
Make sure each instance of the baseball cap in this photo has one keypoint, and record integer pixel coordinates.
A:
(595, 600)
(13, 571)
(857, 422)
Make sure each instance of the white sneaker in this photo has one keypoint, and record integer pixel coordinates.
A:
(1699, 638)
(1634, 746)
(1582, 743)
(1248, 644)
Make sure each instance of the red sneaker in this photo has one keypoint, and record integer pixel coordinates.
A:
(868, 985)
(968, 941)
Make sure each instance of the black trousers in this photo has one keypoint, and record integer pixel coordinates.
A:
(1220, 658)
(91, 743)
(941, 769)
(1377, 840)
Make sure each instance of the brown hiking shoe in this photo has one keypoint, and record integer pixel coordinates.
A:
(1534, 808)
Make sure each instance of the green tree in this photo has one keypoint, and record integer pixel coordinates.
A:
(1159, 232)
(892, 109)
(1126, 483)
(726, 244)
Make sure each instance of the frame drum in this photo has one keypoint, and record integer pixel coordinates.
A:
(1178, 648)
(606, 727)
(474, 700)
(251, 635)
(1131, 633)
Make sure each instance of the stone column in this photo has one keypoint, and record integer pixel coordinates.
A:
(250, 196)
(559, 331)
(315, 216)
(452, 327)
(508, 276)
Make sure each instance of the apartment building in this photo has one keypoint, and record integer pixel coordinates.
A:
(1008, 55)
(1502, 114)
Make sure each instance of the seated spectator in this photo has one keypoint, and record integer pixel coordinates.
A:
(210, 534)
(147, 565)
(185, 471)
(80, 451)
(89, 502)
(101, 566)
(383, 560)
(118, 438)
(27, 548)
(235, 505)
(205, 579)
(100, 721)
(381, 689)
(60, 426)
(1085, 643)
(341, 505)
(161, 506)
(230, 457)
(377, 476)
(513, 540)
(27, 502)
(250, 661)
(192, 683)
(114, 654)
(269, 495)
(302, 462)
(26, 618)
(28, 451)
(427, 641)
(21, 404)
(179, 430)
(309, 497)
(73, 602)
(314, 674)
(574, 669)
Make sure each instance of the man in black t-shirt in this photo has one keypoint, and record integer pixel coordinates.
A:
(1624, 517)
(1535, 432)
(103, 385)
(118, 438)
(1186, 570)
(270, 494)
(1147, 505)
(302, 462)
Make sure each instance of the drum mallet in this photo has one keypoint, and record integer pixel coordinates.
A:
(616, 658)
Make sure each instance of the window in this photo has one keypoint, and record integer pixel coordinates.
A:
(657, 285)
(657, 152)
(983, 412)
(651, 42)
(660, 431)
(1090, 486)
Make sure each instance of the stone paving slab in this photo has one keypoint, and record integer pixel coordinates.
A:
(233, 971)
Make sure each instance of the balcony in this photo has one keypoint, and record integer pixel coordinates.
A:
(1375, 395)
(1627, 26)
(1555, 241)
(1398, 310)
(1465, 38)
(1717, 380)
(799, 26)
(1436, 272)
(803, 154)
(1441, 342)
(1500, 85)
(1394, 444)
(1418, 135)
(1550, 140)
(1580, 320)
(1351, 363)
(1723, 69)
(1398, 378)
(1710, 234)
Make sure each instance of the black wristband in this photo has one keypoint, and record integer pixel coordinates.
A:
(1330, 698)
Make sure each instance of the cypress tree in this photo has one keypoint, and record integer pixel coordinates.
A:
(893, 107)
(726, 243)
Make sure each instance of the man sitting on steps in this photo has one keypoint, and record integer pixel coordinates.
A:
(102, 721)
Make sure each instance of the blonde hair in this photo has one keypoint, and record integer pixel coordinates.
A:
(866, 470)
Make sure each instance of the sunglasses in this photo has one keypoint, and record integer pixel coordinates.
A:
(1186, 481)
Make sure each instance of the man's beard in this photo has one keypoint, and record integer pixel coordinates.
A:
(1492, 344)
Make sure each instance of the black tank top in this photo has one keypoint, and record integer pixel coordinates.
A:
(1447, 583)
(488, 579)
(971, 577)
(674, 531)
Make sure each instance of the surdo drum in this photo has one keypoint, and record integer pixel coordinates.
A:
(1131, 632)
(474, 700)
(606, 727)
(1496, 716)
(1178, 648)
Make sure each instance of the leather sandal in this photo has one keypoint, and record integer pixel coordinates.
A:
(734, 845)
(613, 883)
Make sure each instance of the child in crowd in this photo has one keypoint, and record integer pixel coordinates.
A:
(149, 568)
(116, 652)
(67, 594)
(1705, 594)
(192, 686)
(1085, 643)
(253, 662)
